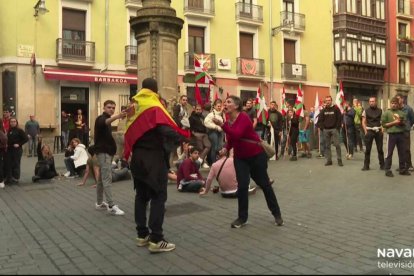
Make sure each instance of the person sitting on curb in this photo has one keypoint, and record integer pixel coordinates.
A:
(189, 178)
(76, 163)
(45, 166)
(225, 174)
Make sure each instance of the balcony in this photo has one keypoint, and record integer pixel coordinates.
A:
(199, 8)
(350, 22)
(75, 52)
(249, 14)
(294, 72)
(404, 49)
(131, 57)
(404, 10)
(292, 22)
(360, 74)
(133, 3)
(210, 62)
(250, 68)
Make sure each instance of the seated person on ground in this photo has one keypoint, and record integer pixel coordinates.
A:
(223, 171)
(45, 166)
(189, 178)
(76, 163)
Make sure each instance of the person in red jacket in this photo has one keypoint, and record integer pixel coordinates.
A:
(189, 178)
(250, 160)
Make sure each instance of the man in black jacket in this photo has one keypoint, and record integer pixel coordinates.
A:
(276, 121)
(330, 121)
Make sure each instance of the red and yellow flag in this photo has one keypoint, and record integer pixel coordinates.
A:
(146, 113)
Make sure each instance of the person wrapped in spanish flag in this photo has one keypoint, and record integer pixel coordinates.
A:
(150, 135)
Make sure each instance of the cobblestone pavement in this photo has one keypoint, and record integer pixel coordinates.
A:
(335, 220)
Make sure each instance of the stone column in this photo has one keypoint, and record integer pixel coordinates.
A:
(157, 30)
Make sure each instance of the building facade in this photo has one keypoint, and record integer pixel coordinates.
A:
(83, 52)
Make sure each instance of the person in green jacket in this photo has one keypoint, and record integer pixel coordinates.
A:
(359, 131)
(393, 120)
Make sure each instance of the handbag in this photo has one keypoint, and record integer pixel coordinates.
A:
(268, 149)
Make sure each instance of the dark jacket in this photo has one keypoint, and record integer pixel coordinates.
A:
(330, 118)
(197, 123)
(16, 135)
(103, 140)
(349, 117)
(43, 162)
(294, 125)
(276, 119)
(3, 141)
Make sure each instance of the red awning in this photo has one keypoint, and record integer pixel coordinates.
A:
(87, 76)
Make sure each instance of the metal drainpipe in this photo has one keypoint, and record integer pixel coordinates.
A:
(106, 35)
(271, 49)
(389, 58)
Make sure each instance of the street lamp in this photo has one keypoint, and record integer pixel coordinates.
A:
(40, 8)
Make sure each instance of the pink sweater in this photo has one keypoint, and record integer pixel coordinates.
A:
(227, 178)
(242, 127)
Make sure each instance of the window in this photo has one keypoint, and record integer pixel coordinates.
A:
(247, 94)
(73, 24)
(289, 8)
(205, 94)
(366, 7)
(246, 7)
(401, 71)
(402, 30)
(246, 45)
(195, 40)
(196, 4)
(401, 8)
(379, 9)
(351, 6)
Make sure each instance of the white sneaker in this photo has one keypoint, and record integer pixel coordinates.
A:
(102, 206)
(66, 174)
(115, 211)
(2, 185)
(205, 166)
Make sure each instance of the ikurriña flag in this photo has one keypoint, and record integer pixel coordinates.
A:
(147, 112)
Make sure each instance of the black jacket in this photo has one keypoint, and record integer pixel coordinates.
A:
(41, 161)
(276, 119)
(197, 123)
(330, 118)
(16, 136)
(103, 140)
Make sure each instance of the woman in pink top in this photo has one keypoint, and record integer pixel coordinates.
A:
(249, 160)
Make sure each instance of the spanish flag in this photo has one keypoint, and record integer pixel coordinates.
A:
(145, 114)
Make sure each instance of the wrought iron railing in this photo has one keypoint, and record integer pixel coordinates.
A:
(76, 50)
(199, 6)
(294, 71)
(131, 55)
(210, 58)
(296, 20)
(250, 67)
(249, 12)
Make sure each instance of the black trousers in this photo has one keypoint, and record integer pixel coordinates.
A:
(407, 138)
(369, 139)
(396, 139)
(44, 172)
(150, 173)
(256, 168)
(2, 163)
(14, 156)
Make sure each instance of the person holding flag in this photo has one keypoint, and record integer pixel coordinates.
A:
(329, 122)
(150, 136)
(261, 114)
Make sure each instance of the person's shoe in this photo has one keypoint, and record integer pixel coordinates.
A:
(205, 166)
(102, 206)
(328, 163)
(2, 185)
(141, 242)
(349, 156)
(238, 223)
(382, 167)
(162, 246)
(320, 156)
(271, 181)
(66, 174)
(70, 176)
(340, 164)
(252, 191)
(293, 158)
(389, 174)
(411, 169)
(405, 173)
(216, 189)
(115, 211)
(279, 221)
(364, 168)
(14, 180)
(35, 178)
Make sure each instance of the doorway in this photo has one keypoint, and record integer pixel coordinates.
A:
(72, 100)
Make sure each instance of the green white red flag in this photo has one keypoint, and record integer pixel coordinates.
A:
(284, 107)
(261, 108)
(299, 103)
(340, 98)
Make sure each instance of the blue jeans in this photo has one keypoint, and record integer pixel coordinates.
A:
(33, 146)
(65, 138)
(216, 140)
(256, 168)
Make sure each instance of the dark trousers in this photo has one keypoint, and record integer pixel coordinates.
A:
(396, 139)
(369, 139)
(277, 140)
(14, 156)
(44, 172)
(293, 141)
(149, 171)
(407, 138)
(256, 168)
(2, 163)
(348, 134)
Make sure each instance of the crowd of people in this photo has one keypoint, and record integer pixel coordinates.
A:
(161, 146)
